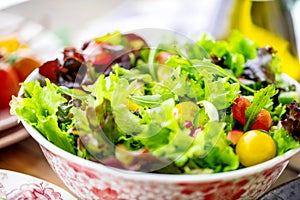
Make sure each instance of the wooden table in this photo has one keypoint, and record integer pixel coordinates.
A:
(27, 157)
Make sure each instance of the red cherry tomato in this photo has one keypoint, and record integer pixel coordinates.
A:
(239, 109)
(9, 85)
(234, 136)
(264, 121)
(163, 56)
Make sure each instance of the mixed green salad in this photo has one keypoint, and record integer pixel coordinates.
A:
(208, 107)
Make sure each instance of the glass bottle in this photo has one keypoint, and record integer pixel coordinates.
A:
(267, 22)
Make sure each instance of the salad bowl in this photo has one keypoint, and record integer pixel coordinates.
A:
(94, 167)
(90, 180)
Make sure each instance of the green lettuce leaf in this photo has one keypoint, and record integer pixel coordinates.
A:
(232, 53)
(39, 108)
(219, 160)
(210, 150)
(162, 134)
(150, 100)
(284, 141)
(220, 92)
(102, 89)
(126, 121)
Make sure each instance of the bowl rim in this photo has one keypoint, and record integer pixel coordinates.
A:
(143, 176)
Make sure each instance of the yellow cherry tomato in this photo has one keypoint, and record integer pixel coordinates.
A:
(132, 106)
(255, 147)
(187, 111)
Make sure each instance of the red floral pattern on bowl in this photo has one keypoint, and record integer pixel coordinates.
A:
(92, 183)
(17, 186)
(90, 180)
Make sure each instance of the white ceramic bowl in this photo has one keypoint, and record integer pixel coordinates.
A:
(90, 180)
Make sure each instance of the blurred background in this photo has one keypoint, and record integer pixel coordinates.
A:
(75, 20)
(49, 25)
